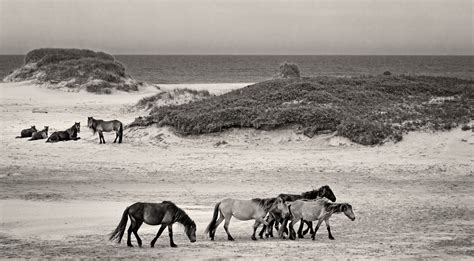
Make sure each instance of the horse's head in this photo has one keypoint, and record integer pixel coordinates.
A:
(33, 128)
(326, 192)
(190, 230)
(77, 125)
(347, 209)
(283, 207)
(89, 122)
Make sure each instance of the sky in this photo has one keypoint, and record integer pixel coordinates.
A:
(319, 27)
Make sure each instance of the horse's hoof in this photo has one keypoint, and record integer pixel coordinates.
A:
(300, 236)
(231, 239)
(253, 238)
(174, 245)
(130, 245)
(331, 238)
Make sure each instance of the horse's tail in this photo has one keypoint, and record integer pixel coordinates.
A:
(210, 228)
(117, 234)
(120, 133)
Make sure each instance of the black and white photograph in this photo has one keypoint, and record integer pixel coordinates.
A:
(237, 129)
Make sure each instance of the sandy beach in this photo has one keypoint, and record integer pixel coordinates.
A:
(412, 199)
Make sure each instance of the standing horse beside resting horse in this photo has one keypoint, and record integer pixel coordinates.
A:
(275, 217)
(101, 126)
(69, 134)
(320, 209)
(244, 210)
(165, 213)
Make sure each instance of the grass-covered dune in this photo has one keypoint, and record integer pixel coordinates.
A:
(75, 69)
(367, 109)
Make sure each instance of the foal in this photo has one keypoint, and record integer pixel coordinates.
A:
(319, 209)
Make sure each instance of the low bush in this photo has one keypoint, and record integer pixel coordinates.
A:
(367, 110)
(289, 70)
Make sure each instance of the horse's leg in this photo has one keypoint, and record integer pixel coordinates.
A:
(300, 229)
(329, 229)
(226, 227)
(255, 226)
(170, 231)
(316, 229)
(129, 232)
(135, 232)
(101, 136)
(309, 228)
(269, 221)
(213, 230)
(292, 233)
(162, 228)
(116, 136)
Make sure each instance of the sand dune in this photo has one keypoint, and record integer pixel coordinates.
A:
(413, 199)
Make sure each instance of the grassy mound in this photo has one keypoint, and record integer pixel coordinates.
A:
(172, 97)
(367, 110)
(96, 72)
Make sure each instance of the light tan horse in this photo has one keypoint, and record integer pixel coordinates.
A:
(244, 210)
(320, 209)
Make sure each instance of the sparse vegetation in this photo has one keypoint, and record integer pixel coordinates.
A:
(97, 72)
(368, 109)
(174, 96)
(387, 73)
(288, 70)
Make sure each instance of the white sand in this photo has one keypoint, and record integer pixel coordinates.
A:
(413, 199)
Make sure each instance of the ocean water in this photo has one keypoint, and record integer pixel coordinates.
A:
(172, 69)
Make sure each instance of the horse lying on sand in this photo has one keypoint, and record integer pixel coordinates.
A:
(165, 213)
(320, 209)
(275, 217)
(25, 133)
(69, 134)
(244, 210)
(101, 126)
(39, 135)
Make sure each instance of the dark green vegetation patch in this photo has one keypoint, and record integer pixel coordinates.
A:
(368, 109)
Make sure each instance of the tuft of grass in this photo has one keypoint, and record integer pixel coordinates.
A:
(288, 70)
(367, 109)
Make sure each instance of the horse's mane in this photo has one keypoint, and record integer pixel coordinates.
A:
(264, 203)
(333, 207)
(179, 215)
(93, 125)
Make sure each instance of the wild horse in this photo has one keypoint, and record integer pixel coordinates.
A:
(165, 213)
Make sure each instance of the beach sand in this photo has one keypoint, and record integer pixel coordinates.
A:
(413, 199)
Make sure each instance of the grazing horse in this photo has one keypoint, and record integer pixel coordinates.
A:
(43, 134)
(320, 209)
(165, 213)
(69, 134)
(27, 132)
(244, 210)
(275, 217)
(101, 126)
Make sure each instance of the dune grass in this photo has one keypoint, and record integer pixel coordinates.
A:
(96, 72)
(367, 109)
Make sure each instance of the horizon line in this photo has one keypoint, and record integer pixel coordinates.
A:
(128, 54)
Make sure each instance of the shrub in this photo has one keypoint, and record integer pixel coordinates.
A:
(368, 110)
(465, 127)
(289, 70)
(387, 73)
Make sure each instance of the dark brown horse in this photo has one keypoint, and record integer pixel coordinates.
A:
(101, 126)
(275, 218)
(39, 135)
(27, 132)
(165, 213)
(69, 134)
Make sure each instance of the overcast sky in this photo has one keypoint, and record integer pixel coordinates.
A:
(239, 26)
